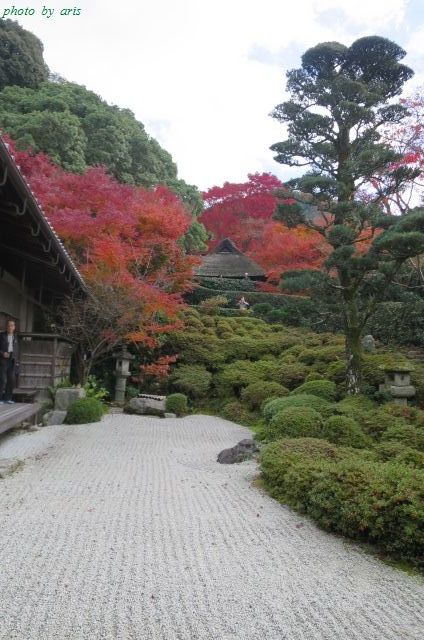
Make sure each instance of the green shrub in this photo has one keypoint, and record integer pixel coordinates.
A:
(211, 306)
(193, 379)
(295, 422)
(406, 434)
(228, 284)
(398, 452)
(209, 322)
(235, 376)
(302, 400)
(84, 411)
(377, 422)
(196, 348)
(279, 457)
(177, 403)
(381, 503)
(314, 375)
(357, 407)
(237, 412)
(92, 388)
(336, 371)
(291, 375)
(325, 354)
(407, 412)
(321, 388)
(345, 431)
(257, 392)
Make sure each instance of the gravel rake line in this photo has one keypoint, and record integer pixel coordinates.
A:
(128, 529)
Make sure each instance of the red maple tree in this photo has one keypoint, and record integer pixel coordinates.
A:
(123, 238)
(244, 213)
(239, 210)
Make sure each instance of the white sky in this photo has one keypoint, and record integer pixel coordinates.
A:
(203, 75)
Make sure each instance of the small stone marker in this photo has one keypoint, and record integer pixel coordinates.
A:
(368, 344)
(397, 380)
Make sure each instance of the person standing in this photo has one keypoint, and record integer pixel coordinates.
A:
(9, 361)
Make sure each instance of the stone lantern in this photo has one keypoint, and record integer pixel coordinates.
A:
(122, 371)
(397, 380)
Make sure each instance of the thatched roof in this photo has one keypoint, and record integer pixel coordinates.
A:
(227, 261)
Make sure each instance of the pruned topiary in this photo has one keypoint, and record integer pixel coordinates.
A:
(84, 411)
(295, 422)
(300, 400)
(321, 388)
(345, 431)
(177, 403)
(257, 392)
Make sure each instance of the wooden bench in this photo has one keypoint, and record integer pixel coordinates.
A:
(11, 415)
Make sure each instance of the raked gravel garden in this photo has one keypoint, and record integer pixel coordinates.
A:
(129, 529)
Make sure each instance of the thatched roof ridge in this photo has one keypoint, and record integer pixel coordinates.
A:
(227, 261)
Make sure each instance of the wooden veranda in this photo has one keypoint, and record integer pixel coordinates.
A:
(36, 273)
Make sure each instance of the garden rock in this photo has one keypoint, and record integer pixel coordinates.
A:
(368, 344)
(147, 405)
(170, 415)
(244, 450)
(54, 417)
(65, 397)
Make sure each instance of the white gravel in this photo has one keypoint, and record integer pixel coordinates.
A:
(129, 530)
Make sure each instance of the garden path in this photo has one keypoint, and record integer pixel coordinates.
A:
(129, 530)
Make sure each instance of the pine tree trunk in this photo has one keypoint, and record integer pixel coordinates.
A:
(353, 345)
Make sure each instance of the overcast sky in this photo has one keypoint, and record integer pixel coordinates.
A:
(203, 75)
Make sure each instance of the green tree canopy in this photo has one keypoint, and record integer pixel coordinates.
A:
(77, 129)
(341, 98)
(21, 57)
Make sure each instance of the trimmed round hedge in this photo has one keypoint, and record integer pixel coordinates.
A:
(177, 403)
(376, 502)
(397, 452)
(256, 392)
(295, 422)
(271, 407)
(84, 411)
(406, 434)
(236, 412)
(193, 379)
(322, 388)
(345, 431)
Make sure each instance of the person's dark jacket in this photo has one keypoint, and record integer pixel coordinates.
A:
(4, 345)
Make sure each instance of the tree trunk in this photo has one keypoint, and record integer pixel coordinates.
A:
(353, 344)
(82, 366)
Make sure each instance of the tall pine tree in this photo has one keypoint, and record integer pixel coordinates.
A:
(341, 99)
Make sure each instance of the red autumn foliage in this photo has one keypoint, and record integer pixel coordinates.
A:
(281, 249)
(243, 212)
(407, 138)
(238, 211)
(123, 236)
(159, 369)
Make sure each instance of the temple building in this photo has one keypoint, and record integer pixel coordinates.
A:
(226, 261)
(36, 273)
